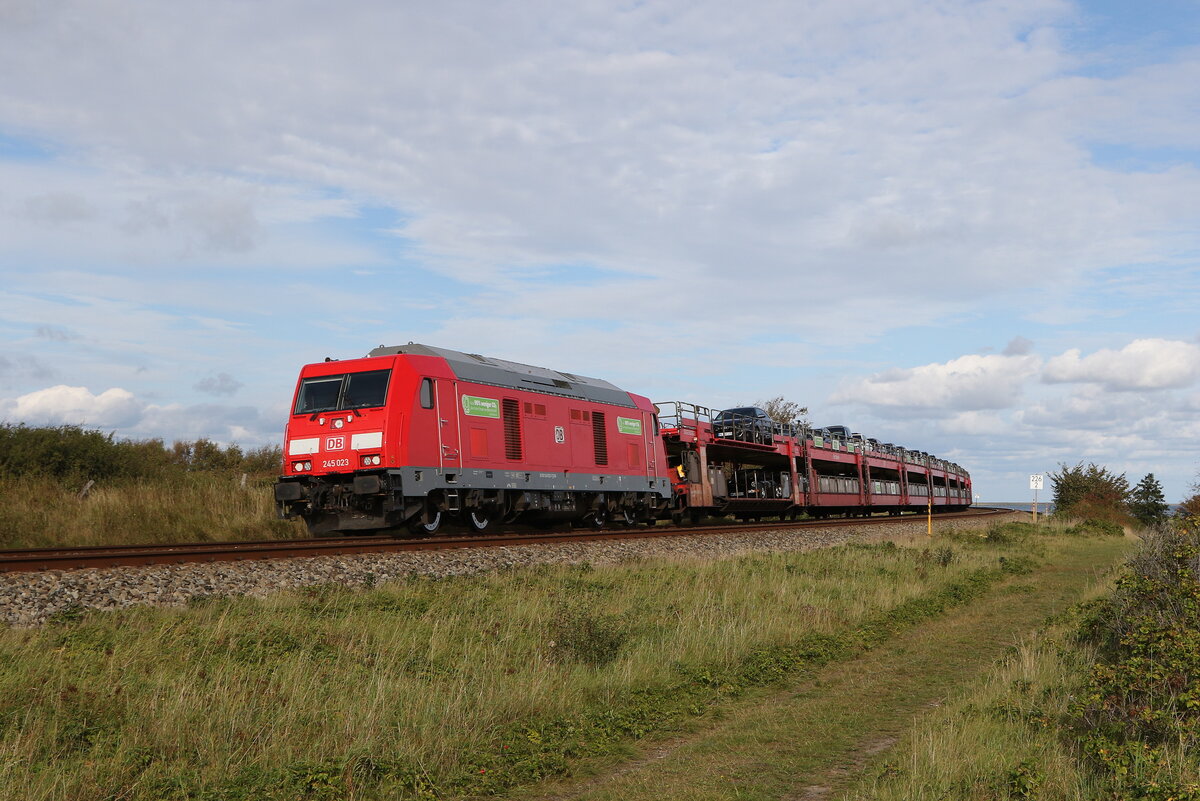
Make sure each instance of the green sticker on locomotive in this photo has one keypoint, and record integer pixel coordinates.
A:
(629, 425)
(480, 407)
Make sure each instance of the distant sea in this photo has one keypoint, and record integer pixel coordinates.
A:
(1043, 506)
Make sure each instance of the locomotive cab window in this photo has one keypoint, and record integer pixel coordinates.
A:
(319, 394)
(426, 393)
(365, 390)
(331, 393)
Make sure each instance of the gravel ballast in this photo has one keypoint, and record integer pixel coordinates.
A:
(30, 599)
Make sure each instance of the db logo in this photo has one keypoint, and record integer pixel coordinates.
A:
(335, 443)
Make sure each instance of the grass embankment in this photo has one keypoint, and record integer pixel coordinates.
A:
(138, 492)
(190, 507)
(813, 738)
(468, 686)
(1105, 704)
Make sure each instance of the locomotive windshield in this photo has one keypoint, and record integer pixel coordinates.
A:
(332, 393)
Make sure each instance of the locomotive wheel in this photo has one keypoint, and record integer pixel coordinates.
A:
(598, 518)
(478, 520)
(627, 517)
(421, 528)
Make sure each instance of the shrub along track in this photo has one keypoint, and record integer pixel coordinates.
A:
(33, 559)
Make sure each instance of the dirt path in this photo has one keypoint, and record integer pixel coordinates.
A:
(812, 741)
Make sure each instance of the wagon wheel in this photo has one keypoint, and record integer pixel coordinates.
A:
(477, 520)
(421, 528)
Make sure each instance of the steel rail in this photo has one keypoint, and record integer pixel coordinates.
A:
(75, 558)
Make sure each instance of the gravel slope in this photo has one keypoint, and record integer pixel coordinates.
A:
(29, 599)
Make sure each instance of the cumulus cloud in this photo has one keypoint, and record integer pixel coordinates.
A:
(112, 408)
(575, 183)
(977, 423)
(1144, 364)
(968, 383)
(245, 425)
(119, 410)
(655, 139)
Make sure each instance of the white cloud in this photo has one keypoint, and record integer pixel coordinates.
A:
(748, 196)
(58, 405)
(978, 423)
(1144, 364)
(966, 384)
(244, 425)
(118, 410)
(825, 144)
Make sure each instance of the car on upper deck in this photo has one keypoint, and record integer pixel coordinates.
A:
(745, 423)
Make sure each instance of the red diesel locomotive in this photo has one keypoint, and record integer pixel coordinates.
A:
(419, 436)
(416, 435)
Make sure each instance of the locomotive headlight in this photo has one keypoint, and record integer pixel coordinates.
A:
(378, 459)
(297, 466)
(308, 465)
(338, 423)
(320, 421)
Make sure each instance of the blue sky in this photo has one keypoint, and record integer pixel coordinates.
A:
(967, 227)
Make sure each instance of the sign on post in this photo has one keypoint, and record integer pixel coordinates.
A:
(1035, 484)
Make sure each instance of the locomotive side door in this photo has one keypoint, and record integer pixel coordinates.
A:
(649, 440)
(449, 456)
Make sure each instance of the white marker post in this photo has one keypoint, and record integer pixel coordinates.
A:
(1035, 484)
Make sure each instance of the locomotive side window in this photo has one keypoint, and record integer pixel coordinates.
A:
(331, 393)
(426, 393)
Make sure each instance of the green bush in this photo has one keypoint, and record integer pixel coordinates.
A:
(1138, 718)
(76, 454)
(582, 635)
(1091, 492)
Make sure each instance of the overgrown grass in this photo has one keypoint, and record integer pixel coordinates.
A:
(441, 688)
(1000, 740)
(1105, 704)
(41, 512)
(137, 491)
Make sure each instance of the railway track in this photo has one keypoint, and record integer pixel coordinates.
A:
(35, 559)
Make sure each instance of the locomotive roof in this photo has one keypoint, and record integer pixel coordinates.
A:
(514, 375)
